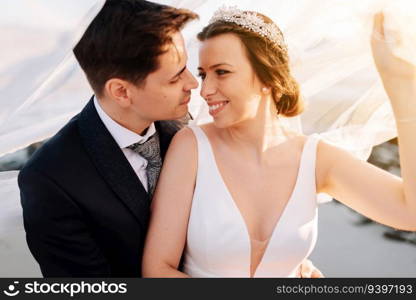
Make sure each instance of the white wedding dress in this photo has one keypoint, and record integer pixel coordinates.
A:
(42, 86)
(218, 243)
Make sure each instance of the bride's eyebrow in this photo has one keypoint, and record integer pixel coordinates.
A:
(215, 66)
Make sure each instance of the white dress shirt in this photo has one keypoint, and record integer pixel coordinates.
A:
(124, 138)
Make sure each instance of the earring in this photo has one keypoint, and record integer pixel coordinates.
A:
(265, 90)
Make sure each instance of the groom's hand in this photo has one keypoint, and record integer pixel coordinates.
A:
(308, 270)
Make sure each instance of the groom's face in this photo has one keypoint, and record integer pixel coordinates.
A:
(165, 94)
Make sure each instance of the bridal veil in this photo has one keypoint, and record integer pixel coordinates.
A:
(42, 87)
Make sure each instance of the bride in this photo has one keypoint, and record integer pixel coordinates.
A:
(237, 197)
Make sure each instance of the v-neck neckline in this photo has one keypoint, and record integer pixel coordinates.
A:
(238, 211)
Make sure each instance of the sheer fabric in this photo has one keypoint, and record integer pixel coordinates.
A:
(42, 87)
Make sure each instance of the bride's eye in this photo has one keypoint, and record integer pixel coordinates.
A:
(222, 72)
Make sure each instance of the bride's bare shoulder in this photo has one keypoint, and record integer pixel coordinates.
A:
(184, 140)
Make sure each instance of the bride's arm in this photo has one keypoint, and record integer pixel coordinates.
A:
(170, 209)
(369, 190)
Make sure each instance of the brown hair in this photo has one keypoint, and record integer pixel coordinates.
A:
(269, 61)
(125, 40)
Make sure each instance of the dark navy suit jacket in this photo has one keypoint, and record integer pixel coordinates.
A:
(85, 210)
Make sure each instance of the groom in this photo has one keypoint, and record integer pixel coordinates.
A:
(86, 193)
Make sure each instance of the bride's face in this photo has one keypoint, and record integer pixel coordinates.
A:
(229, 84)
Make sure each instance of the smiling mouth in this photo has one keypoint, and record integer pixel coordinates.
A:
(215, 108)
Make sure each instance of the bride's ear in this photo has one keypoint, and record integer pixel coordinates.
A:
(267, 91)
(118, 90)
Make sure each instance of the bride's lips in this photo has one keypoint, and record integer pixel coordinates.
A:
(215, 107)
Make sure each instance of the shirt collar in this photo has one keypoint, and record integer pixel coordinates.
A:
(123, 136)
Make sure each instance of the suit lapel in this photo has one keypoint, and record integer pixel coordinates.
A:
(112, 164)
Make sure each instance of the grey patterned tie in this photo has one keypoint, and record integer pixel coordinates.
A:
(150, 150)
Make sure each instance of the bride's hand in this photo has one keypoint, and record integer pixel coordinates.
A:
(398, 75)
(389, 65)
(308, 270)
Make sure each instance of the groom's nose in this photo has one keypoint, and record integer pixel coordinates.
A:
(191, 81)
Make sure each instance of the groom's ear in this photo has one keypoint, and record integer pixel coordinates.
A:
(118, 90)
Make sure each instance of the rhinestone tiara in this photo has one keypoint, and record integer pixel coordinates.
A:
(251, 21)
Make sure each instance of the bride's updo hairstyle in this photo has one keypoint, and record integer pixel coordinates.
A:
(266, 51)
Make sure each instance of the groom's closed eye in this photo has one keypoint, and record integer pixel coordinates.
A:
(176, 78)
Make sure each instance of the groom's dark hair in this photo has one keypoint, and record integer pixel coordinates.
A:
(125, 40)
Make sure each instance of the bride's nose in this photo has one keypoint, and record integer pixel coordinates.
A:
(208, 88)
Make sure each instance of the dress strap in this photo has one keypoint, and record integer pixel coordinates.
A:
(199, 134)
(204, 147)
(307, 166)
(310, 150)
